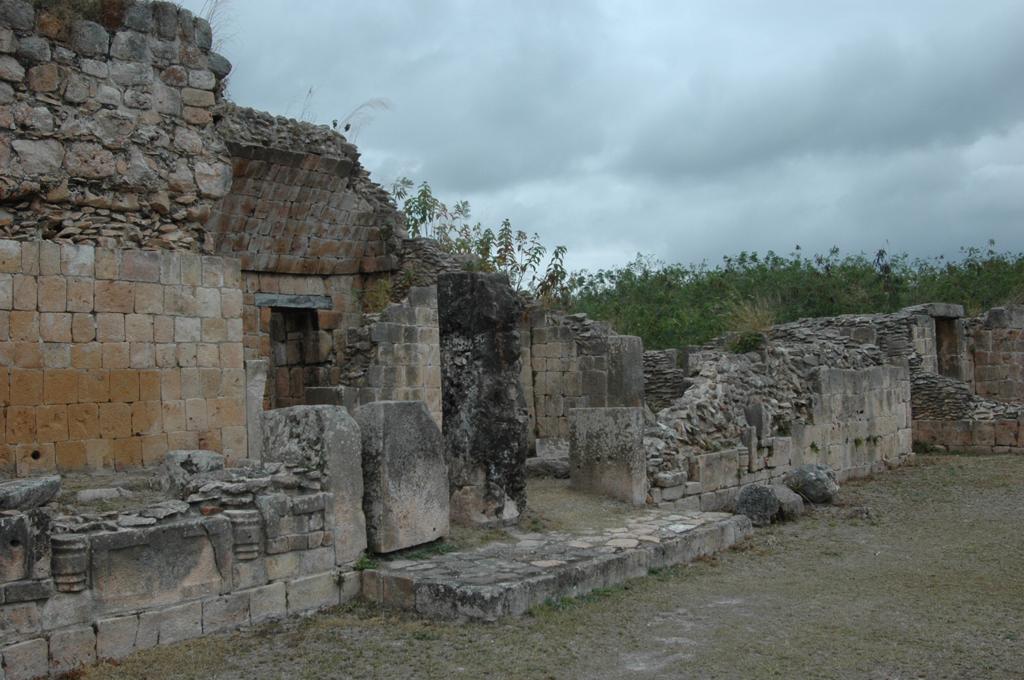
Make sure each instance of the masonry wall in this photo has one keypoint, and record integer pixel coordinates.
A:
(106, 131)
(111, 358)
(997, 353)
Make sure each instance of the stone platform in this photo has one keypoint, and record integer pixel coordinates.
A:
(507, 579)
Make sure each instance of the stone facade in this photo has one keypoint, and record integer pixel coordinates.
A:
(111, 358)
(107, 130)
(997, 353)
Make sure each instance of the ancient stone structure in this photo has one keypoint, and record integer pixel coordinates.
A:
(195, 298)
(485, 416)
(405, 475)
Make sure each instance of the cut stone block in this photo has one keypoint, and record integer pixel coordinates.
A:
(625, 371)
(485, 417)
(606, 452)
(25, 494)
(405, 478)
(325, 438)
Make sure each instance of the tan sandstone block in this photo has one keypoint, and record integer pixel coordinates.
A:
(21, 424)
(83, 328)
(146, 419)
(80, 295)
(211, 440)
(138, 327)
(163, 329)
(99, 453)
(143, 355)
(154, 449)
(115, 420)
(170, 384)
(24, 326)
(182, 439)
(60, 386)
(115, 355)
(174, 415)
(110, 327)
(149, 298)
(53, 294)
(195, 415)
(83, 421)
(207, 355)
(115, 296)
(127, 453)
(107, 263)
(35, 458)
(124, 385)
(25, 297)
(26, 386)
(94, 386)
(231, 355)
(71, 456)
(52, 423)
(149, 385)
(89, 355)
(55, 327)
(28, 354)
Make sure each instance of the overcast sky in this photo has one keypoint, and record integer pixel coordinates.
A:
(686, 130)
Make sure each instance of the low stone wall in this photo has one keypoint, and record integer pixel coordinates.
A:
(108, 358)
(997, 350)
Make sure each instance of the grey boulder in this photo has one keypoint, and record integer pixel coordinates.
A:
(767, 504)
(814, 483)
(25, 494)
(791, 505)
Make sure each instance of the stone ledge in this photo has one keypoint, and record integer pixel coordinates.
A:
(507, 580)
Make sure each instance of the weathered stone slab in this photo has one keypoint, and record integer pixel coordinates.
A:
(179, 467)
(25, 660)
(72, 648)
(294, 301)
(625, 371)
(25, 494)
(325, 438)
(25, 539)
(255, 386)
(160, 565)
(313, 592)
(719, 470)
(606, 452)
(405, 477)
(484, 409)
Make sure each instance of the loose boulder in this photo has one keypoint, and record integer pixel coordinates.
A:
(814, 483)
(25, 494)
(180, 466)
(759, 503)
(791, 505)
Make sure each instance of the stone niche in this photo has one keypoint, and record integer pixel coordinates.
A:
(606, 452)
(327, 438)
(484, 409)
(405, 478)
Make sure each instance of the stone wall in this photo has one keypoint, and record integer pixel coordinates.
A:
(300, 202)
(229, 547)
(111, 358)
(664, 380)
(106, 131)
(997, 353)
(580, 363)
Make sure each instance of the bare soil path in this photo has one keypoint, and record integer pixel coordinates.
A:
(918, 573)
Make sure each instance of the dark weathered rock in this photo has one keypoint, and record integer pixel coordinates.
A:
(814, 483)
(25, 494)
(759, 503)
(485, 416)
(180, 466)
(405, 479)
(549, 467)
(791, 505)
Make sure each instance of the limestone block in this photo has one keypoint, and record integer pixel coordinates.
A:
(313, 592)
(719, 469)
(484, 409)
(115, 637)
(25, 660)
(167, 626)
(606, 453)
(405, 478)
(226, 613)
(325, 438)
(268, 602)
(72, 648)
(625, 371)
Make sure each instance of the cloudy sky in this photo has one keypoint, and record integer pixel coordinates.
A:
(686, 130)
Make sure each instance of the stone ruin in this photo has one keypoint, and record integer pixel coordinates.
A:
(209, 417)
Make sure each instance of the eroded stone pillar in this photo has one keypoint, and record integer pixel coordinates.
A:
(484, 410)
(255, 385)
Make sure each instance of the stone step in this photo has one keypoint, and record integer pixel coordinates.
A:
(508, 579)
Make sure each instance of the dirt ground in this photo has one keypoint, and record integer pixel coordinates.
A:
(918, 573)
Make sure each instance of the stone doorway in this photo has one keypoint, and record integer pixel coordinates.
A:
(947, 347)
(300, 352)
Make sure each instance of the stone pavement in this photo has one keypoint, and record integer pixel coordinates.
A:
(507, 579)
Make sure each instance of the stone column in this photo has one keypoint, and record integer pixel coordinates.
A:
(484, 410)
